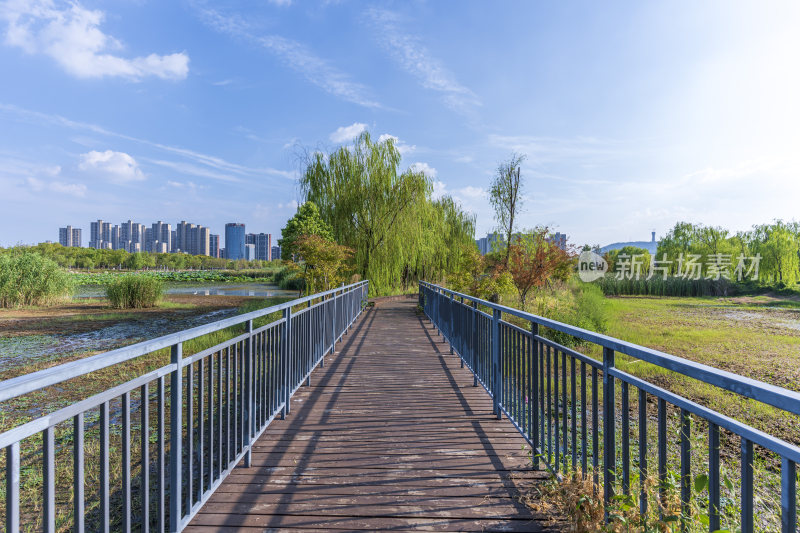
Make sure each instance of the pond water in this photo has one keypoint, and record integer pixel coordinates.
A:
(259, 290)
(16, 351)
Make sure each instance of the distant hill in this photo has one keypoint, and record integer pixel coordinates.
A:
(651, 245)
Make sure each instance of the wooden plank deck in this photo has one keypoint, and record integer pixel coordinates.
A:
(391, 435)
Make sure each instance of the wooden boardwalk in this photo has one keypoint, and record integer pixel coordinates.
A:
(391, 435)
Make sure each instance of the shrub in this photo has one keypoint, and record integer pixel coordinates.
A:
(28, 278)
(577, 304)
(134, 292)
(289, 278)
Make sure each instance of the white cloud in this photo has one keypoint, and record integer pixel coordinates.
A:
(401, 146)
(464, 159)
(288, 205)
(118, 167)
(74, 189)
(415, 59)
(281, 3)
(439, 189)
(71, 35)
(347, 133)
(472, 192)
(425, 168)
(295, 55)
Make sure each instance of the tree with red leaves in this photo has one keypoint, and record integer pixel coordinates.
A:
(533, 262)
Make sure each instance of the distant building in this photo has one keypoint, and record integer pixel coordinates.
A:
(213, 245)
(559, 239)
(160, 237)
(263, 244)
(276, 252)
(487, 244)
(651, 245)
(250, 252)
(192, 239)
(100, 235)
(234, 241)
(69, 236)
(483, 245)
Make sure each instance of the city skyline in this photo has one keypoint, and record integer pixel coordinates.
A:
(187, 237)
(632, 117)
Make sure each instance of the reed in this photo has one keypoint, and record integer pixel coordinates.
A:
(134, 292)
(29, 279)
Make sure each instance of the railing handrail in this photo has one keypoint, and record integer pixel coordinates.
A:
(773, 395)
(27, 383)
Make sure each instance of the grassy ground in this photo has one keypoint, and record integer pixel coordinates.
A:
(757, 337)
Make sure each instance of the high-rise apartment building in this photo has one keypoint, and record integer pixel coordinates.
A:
(160, 233)
(234, 241)
(213, 245)
(100, 233)
(263, 244)
(69, 236)
(250, 252)
(276, 252)
(184, 237)
(202, 240)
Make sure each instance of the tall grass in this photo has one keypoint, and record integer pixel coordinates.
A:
(28, 278)
(134, 292)
(672, 286)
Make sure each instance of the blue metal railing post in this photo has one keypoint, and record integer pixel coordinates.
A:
(333, 323)
(176, 438)
(475, 337)
(609, 450)
(496, 370)
(249, 406)
(287, 355)
(451, 323)
(533, 399)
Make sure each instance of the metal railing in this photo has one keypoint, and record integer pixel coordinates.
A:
(194, 419)
(519, 368)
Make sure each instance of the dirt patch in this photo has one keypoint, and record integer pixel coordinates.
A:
(88, 314)
(769, 298)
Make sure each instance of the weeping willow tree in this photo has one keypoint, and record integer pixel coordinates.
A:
(386, 216)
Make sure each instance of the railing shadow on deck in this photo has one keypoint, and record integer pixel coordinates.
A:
(476, 426)
(302, 414)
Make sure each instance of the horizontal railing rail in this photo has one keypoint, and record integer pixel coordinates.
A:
(148, 453)
(543, 386)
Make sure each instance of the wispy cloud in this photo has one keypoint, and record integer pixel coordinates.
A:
(71, 35)
(293, 54)
(345, 134)
(409, 52)
(545, 149)
(212, 162)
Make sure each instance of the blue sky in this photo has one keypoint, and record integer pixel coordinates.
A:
(632, 115)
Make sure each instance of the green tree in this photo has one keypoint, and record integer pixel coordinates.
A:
(506, 196)
(307, 221)
(386, 216)
(324, 260)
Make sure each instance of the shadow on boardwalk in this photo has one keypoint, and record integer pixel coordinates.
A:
(391, 435)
